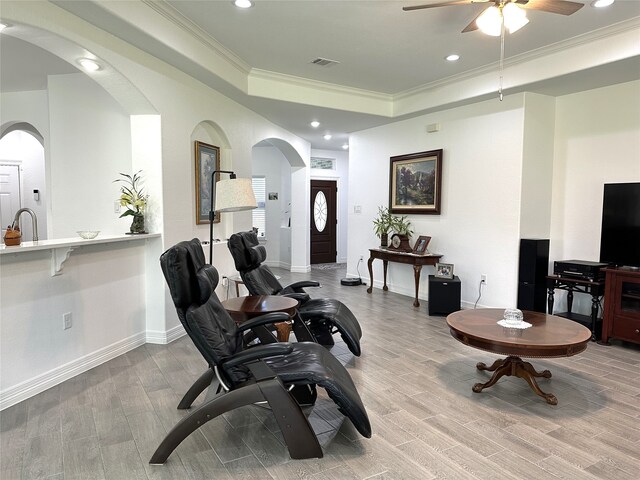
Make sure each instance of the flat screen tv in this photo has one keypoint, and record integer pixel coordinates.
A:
(620, 238)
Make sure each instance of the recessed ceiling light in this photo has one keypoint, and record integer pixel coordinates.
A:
(327, 136)
(345, 146)
(243, 3)
(452, 58)
(602, 3)
(315, 124)
(89, 65)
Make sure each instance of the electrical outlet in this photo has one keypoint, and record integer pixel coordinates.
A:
(116, 206)
(225, 281)
(66, 321)
(361, 258)
(483, 278)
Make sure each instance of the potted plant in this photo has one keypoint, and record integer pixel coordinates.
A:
(133, 197)
(383, 224)
(401, 225)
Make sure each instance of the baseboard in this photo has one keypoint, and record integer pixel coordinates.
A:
(283, 265)
(300, 268)
(42, 382)
(164, 337)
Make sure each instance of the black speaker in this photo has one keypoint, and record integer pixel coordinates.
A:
(444, 295)
(532, 272)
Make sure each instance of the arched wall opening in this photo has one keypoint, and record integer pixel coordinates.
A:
(22, 167)
(90, 127)
(286, 203)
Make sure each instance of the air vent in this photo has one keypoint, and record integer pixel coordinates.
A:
(324, 62)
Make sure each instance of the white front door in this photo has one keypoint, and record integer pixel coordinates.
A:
(9, 194)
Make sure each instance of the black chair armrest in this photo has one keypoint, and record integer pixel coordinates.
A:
(301, 297)
(273, 317)
(297, 287)
(257, 353)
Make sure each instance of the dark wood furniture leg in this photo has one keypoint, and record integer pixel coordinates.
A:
(515, 366)
(551, 292)
(196, 389)
(594, 315)
(385, 264)
(370, 264)
(416, 279)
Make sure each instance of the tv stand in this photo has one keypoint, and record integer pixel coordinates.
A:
(570, 285)
(622, 305)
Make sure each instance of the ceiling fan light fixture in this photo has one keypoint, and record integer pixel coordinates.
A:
(514, 17)
(490, 21)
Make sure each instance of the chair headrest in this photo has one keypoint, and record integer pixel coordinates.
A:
(247, 253)
(190, 280)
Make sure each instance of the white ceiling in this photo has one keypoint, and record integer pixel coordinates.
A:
(383, 51)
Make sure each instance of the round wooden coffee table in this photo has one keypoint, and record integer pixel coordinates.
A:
(243, 308)
(549, 336)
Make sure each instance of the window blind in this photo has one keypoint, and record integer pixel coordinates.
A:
(259, 214)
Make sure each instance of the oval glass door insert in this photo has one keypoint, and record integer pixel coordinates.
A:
(320, 211)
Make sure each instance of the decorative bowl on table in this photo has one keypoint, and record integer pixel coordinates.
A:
(88, 234)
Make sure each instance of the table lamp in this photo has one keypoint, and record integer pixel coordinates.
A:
(230, 195)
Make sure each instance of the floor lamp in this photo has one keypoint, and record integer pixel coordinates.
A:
(231, 195)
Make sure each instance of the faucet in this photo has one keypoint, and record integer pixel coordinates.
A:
(34, 221)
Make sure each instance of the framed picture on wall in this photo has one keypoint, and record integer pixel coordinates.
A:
(415, 183)
(207, 161)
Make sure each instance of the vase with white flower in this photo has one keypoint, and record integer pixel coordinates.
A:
(134, 199)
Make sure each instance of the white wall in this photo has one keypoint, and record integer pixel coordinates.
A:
(102, 286)
(597, 141)
(341, 176)
(90, 143)
(531, 166)
(478, 228)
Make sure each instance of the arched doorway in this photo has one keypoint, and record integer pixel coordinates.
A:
(284, 174)
(22, 178)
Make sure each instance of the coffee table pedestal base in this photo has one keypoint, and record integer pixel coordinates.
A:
(515, 366)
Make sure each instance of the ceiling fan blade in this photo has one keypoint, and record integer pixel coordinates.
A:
(563, 7)
(443, 4)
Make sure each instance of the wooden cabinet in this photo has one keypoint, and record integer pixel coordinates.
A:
(622, 305)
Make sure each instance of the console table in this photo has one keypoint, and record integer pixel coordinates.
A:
(595, 289)
(387, 255)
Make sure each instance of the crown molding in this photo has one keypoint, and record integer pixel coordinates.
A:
(163, 8)
(325, 87)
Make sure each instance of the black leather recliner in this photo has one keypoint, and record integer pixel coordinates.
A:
(323, 316)
(267, 372)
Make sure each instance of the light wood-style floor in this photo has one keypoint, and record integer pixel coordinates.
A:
(414, 379)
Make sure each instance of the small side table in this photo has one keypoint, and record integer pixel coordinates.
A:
(237, 281)
(242, 309)
(444, 295)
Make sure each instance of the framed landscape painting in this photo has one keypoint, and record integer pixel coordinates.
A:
(415, 183)
(207, 162)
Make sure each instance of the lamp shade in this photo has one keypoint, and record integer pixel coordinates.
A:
(233, 195)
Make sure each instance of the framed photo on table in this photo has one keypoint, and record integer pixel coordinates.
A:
(444, 270)
(415, 183)
(207, 161)
(421, 245)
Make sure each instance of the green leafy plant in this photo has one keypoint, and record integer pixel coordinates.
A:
(132, 194)
(401, 225)
(383, 223)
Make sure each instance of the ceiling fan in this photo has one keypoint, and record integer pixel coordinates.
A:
(510, 11)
